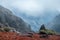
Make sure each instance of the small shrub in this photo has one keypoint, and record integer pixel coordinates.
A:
(49, 32)
(1, 30)
(42, 32)
(7, 29)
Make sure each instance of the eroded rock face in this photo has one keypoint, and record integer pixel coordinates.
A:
(55, 24)
(8, 19)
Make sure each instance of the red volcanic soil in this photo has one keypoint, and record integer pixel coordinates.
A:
(15, 36)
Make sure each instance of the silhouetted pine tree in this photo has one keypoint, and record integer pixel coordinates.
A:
(42, 27)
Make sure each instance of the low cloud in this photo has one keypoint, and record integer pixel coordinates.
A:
(32, 7)
(44, 10)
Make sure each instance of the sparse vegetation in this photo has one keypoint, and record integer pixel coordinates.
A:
(7, 29)
(48, 32)
(43, 30)
(1, 29)
(14, 36)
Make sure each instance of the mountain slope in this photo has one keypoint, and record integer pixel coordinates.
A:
(55, 24)
(8, 19)
(37, 21)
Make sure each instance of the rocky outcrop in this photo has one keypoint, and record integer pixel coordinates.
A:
(55, 24)
(7, 18)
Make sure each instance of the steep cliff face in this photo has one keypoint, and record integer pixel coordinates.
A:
(55, 24)
(8, 19)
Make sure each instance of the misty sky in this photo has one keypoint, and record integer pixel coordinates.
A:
(32, 7)
(35, 8)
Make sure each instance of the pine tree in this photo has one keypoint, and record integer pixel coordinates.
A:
(43, 30)
(42, 27)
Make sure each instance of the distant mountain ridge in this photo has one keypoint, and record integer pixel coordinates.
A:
(37, 21)
(8, 19)
(55, 24)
